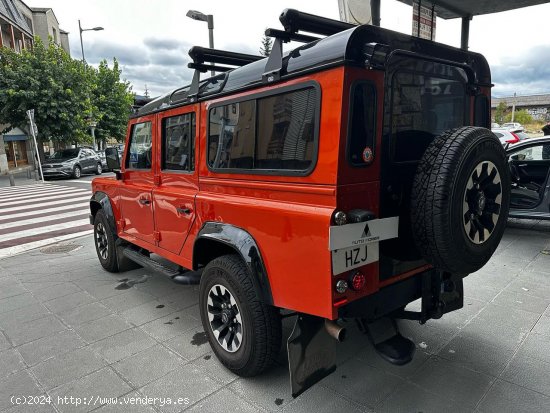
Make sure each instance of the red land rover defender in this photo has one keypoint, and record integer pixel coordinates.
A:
(343, 179)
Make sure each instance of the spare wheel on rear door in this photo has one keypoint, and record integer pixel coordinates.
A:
(460, 199)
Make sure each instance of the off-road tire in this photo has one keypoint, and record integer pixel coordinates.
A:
(439, 195)
(99, 169)
(104, 241)
(77, 172)
(261, 323)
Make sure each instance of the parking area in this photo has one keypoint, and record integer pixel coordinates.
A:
(70, 329)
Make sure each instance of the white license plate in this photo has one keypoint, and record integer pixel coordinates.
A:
(346, 259)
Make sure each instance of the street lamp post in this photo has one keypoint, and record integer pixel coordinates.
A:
(96, 29)
(209, 19)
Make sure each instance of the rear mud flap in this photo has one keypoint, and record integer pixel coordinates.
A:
(311, 353)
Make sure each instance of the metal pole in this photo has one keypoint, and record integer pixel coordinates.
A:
(513, 107)
(375, 12)
(93, 137)
(81, 44)
(35, 145)
(12, 180)
(465, 33)
(210, 21)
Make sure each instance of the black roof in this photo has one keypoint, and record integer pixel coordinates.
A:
(361, 45)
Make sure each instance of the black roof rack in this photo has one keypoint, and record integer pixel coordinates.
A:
(294, 21)
(200, 55)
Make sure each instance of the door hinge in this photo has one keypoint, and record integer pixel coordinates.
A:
(121, 223)
(156, 236)
(158, 181)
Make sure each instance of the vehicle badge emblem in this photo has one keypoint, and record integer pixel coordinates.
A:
(368, 155)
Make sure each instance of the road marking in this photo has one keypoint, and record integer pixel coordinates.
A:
(5, 217)
(45, 218)
(78, 181)
(8, 252)
(38, 198)
(34, 206)
(42, 230)
(42, 214)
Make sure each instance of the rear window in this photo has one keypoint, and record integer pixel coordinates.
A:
(274, 134)
(423, 106)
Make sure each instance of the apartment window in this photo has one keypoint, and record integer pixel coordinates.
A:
(274, 134)
(54, 35)
(178, 143)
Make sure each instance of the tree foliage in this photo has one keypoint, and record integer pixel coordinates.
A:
(113, 101)
(521, 116)
(65, 94)
(267, 44)
(500, 112)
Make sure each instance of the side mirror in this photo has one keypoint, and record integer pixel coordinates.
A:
(113, 160)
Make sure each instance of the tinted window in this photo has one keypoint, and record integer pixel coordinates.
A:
(424, 106)
(65, 154)
(362, 122)
(271, 133)
(178, 143)
(140, 150)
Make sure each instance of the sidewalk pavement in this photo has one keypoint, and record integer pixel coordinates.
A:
(20, 179)
(68, 328)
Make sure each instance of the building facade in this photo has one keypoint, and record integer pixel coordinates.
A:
(538, 106)
(18, 25)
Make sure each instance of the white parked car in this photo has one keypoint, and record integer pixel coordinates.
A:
(515, 126)
(509, 136)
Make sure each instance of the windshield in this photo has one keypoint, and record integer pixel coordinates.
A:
(65, 154)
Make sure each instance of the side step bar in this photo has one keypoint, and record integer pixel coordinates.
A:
(185, 277)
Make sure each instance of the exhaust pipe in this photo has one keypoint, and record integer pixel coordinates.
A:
(334, 330)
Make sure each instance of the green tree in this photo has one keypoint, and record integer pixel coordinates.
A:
(57, 87)
(521, 116)
(113, 101)
(500, 112)
(267, 44)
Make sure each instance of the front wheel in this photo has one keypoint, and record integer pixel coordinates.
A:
(244, 332)
(105, 242)
(77, 172)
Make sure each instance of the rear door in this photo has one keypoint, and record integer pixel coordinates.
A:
(177, 182)
(138, 180)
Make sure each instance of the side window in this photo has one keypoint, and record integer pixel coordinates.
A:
(268, 134)
(178, 143)
(232, 136)
(362, 126)
(534, 153)
(140, 149)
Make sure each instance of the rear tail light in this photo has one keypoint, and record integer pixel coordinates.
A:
(358, 281)
(515, 138)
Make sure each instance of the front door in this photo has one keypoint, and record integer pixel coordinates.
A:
(174, 197)
(137, 185)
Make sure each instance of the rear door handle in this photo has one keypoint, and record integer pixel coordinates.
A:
(144, 201)
(184, 210)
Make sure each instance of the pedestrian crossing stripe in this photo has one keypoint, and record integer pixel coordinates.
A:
(33, 216)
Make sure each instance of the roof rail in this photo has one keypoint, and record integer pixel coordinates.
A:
(200, 55)
(294, 21)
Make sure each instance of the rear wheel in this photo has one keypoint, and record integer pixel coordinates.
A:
(99, 169)
(460, 199)
(244, 332)
(105, 242)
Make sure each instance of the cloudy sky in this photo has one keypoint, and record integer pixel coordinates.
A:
(151, 39)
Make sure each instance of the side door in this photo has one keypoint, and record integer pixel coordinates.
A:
(174, 196)
(88, 160)
(137, 181)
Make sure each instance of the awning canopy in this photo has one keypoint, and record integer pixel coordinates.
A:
(449, 9)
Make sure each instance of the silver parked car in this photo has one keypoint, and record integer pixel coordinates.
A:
(72, 163)
(529, 162)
